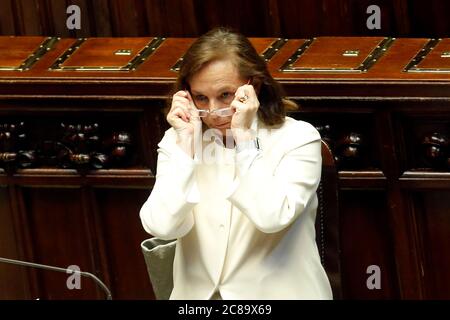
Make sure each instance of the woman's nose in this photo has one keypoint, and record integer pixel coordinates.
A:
(213, 106)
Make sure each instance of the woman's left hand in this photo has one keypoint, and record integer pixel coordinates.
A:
(245, 105)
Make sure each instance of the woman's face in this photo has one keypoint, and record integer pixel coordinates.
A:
(212, 88)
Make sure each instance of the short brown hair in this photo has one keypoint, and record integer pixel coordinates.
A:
(223, 43)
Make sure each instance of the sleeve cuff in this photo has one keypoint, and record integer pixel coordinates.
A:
(193, 194)
(184, 172)
(181, 158)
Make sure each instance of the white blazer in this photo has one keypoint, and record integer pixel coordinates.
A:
(244, 229)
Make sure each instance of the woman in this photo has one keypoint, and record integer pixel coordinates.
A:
(242, 206)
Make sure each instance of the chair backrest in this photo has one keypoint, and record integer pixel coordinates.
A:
(327, 221)
(159, 255)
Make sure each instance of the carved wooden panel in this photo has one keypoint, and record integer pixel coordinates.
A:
(425, 137)
(349, 136)
(85, 145)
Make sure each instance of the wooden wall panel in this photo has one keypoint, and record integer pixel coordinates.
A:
(7, 18)
(251, 17)
(256, 18)
(13, 279)
(29, 17)
(127, 18)
(365, 241)
(118, 212)
(57, 8)
(176, 17)
(61, 237)
(100, 18)
(432, 213)
(429, 17)
(87, 18)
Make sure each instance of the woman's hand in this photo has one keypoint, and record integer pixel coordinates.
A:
(245, 105)
(183, 117)
(183, 114)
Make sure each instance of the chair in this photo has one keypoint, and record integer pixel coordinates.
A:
(159, 254)
(327, 221)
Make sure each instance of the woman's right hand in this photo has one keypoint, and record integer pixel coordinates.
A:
(182, 115)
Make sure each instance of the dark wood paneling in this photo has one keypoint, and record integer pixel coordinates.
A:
(55, 9)
(100, 18)
(58, 223)
(175, 17)
(432, 212)
(429, 17)
(253, 17)
(28, 17)
(365, 241)
(118, 216)
(13, 279)
(7, 18)
(127, 18)
(258, 18)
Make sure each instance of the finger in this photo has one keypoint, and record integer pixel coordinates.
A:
(242, 98)
(180, 96)
(237, 106)
(179, 106)
(239, 92)
(181, 93)
(182, 104)
(192, 107)
(191, 101)
(181, 99)
(242, 94)
(194, 113)
(249, 91)
(186, 113)
(247, 97)
(182, 114)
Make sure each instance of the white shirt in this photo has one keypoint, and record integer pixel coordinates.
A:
(245, 227)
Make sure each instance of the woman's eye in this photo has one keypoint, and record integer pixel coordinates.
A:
(200, 98)
(226, 95)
